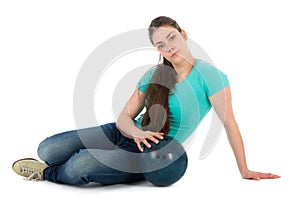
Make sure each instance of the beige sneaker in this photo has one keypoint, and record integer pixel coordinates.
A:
(30, 168)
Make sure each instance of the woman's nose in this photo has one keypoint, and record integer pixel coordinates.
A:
(169, 48)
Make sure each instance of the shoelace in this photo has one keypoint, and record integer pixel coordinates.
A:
(34, 174)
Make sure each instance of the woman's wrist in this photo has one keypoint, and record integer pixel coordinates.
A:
(130, 132)
(244, 172)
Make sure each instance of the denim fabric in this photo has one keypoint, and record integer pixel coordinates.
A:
(96, 154)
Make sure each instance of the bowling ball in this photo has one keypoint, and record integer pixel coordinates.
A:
(164, 163)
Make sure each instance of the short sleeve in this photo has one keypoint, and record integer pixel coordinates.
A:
(215, 80)
(144, 82)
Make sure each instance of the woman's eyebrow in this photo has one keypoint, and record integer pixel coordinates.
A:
(170, 34)
(166, 37)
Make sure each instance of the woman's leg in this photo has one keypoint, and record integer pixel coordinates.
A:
(60, 147)
(94, 165)
(99, 154)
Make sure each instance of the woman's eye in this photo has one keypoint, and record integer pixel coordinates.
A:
(161, 46)
(172, 37)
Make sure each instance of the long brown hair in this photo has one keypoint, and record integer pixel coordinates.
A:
(156, 117)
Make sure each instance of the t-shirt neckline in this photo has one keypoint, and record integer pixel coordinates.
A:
(187, 77)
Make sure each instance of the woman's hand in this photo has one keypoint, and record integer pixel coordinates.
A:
(258, 175)
(145, 136)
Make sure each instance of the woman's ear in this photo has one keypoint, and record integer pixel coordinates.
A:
(184, 35)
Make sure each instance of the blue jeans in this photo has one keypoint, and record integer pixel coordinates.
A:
(98, 154)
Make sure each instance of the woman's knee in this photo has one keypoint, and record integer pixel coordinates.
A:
(48, 151)
(58, 148)
(44, 149)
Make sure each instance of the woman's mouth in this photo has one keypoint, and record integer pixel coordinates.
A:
(174, 54)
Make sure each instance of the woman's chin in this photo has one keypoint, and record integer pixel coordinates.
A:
(177, 59)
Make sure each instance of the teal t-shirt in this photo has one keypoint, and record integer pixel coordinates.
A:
(188, 100)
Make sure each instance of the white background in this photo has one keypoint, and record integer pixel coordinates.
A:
(43, 45)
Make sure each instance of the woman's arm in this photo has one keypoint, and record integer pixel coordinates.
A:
(221, 102)
(126, 124)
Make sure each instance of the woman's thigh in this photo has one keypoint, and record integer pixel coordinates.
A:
(60, 147)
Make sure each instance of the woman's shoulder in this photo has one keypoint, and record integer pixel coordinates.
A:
(149, 72)
(213, 78)
(144, 81)
(206, 68)
(202, 65)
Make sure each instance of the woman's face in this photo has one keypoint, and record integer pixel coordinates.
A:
(171, 43)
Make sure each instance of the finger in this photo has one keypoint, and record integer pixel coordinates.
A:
(139, 146)
(271, 176)
(153, 139)
(275, 176)
(262, 175)
(159, 135)
(265, 175)
(147, 143)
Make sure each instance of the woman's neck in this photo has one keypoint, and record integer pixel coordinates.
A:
(184, 68)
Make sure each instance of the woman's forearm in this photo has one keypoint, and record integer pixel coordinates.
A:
(127, 127)
(237, 145)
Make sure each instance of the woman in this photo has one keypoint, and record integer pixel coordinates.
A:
(177, 96)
